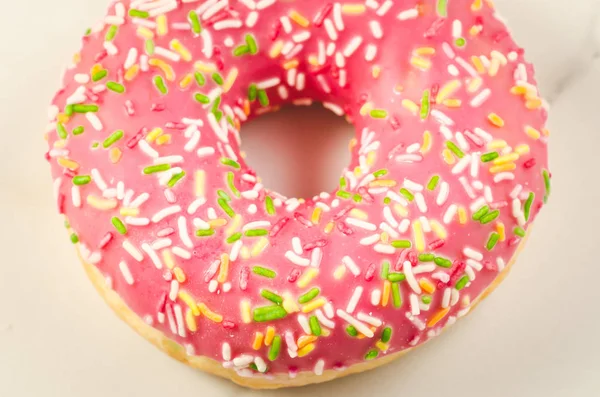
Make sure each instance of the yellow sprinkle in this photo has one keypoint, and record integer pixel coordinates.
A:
(357, 171)
(452, 103)
(426, 146)
(245, 252)
(258, 340)
(215, 223)
(181, 50)
(476, 5)
(305, 340)
(497, 144)
(307, 277)
(385, 294)
(475, 30)
(292, 63)
(62, 118)
(532, 132)
(418, 235)
(115, 155)
(289, 304)
(474, 84)
(200, 181)
(152, 135)
(131, 72)
(507, 158)
(314, 305)
(448, 156)
(410, 106)
(269, 335)
(306, 349)
(217, 318)
(366, 108)
(299, 19)
(101, 203)
(437, 317)
(533, 104)
(496, 120)
(420, 63)
(316, 215)
(360, 214)
(503, 168)
(425, 51)
(329, 227)
(276, 49)
(76, 58)
(230, 79)
(163, 139)
(124, 211)
(260, 245)
(462, 215)
(438, 229)
(162, 27)
(522, 149)
(179, 275)
(376, 71)
(383, 183)
(224, 268)
(427, 285)
(95, 68)
(382, 346)
(353, 8)
(371, 157)
(67, 163)
(400, 210)
(465, 301)
(145, 33)
(518, 90)
(313, 60)
(168, 258)
(339, 272)
(205, 67)
(398, 89)
(61, 143)
(501, 230)
(165, 67)
(325, 332)
(384, 237)
(190, 321)
(494, 67)
(189, 301)
(186, 81)
(447, 89)
(233, 225)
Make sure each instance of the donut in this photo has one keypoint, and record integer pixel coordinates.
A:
(448, 171)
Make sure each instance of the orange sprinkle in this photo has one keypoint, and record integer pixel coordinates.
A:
(545, 132)
(62, 118)
(437, 317)
(269, 335)
(329, 227)
(164, 67)
(292, 63)
(179, 275)
(507, 158)
(425, 51)
(305, 340)
(76, 58)
(115, 155)
(215, 223)
(518, 90)
(258, 340)
(496, 120)
(474, 84)
(316, 215)
(325, 332)
(383, 183)
(217, 318)
(306, 349)
(427, 285)
(503, 168)
(67, 163)
(475, 30)
(95, 69)
(532, 132)
(476, 5)
(376, 71)
(299, 18)
(501, 230)
(131, 73)
(385, 295)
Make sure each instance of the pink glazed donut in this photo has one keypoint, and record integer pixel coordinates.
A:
(448, 171)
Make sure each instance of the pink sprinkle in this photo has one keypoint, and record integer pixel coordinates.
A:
(69, 173)
(323, 69)
(412, 257)
(228, 324)
(322, 14)
(165, 232)
(278, 226)
(100, 56)
(105, 240)
(436, 244)
(501, 35)
(401, 260)
(434, 91)
(120, 73)
(175, 126)
(395, 123)
(157, 107)
(458, 267)
(434, 28)
(477, 141)
(293, 276)
(129, 108)
(490, 265)
(216, 18)
(244, 275)
(275, 30)
(167, 275)
(498, 204)
(529, 163)
(365, 194)
(344, 229)
(136, 138)
(370, 273)
(302, 219)
(60, 203)
(314, 244)
(513, 241)
(47, 156)
(162, 302)
(342, 212)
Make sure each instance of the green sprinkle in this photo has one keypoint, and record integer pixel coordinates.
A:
(263, 99)
(217, 78)
(231, 184)
(386, 335)
(149, 47)
(67, 224)
(269, 205)
(442, 262)
(99, 75)
(229, 162)
(218, 114)
(275, 348)
(273, 297)
(527, 207)
(253, 366)
(215, 105)
(350, 330)
(442, 8)
(138, 14)
(95, 145)
(433, 182)
(205, 233)
(494, 237)
(519, 231)
(452, 146)
(195, 22)
(61, 131)
(547, 186)
(114, 137)
(401, 244)
(396, 277)
(223, 195)
(88, 32)
(379, 173)
(310, 295)
(357, 198)
(460, 42)
(225, 206)
(233, 238)
(74, 238)
(371, 354)
(112, 32)
(426, 299)
(490, 216)
(387, 200)
(256, 232)
(385, 269)
(160, 85)
(200, 80)
(252, 92)
(426, 257)
(69, 110)
(315, 327)
(425, 105)
(78, 130)
(407, 194)
(343, 194)
(269, 313)
(396, 298)
(251, 42)
(480, 213)
(342, 182)
(462, 282)
(85, 108)
(378, 114)
(81, 180)
(118, 224)
(175, 178)
(489, 157)
(203, 99)
(241, 50)
(156, 168)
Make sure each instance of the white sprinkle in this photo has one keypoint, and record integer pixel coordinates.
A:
(296, 260)
(414, 305)
(243, 360)
(212, 286)
(480, 98)
(404, 224)
(351, 265)
(160, 215)
(319, 366)
(131, 250)
(183, 232)
(449, 214)
(303, 321)
(161, 243)
(465, 65)
(516, 191)
(411, 13)
(261, 366)
(362, 224)
(338, 110)
(369, 319)
(500, 263)
(477, 204)
(328, 308)
(76, 196)
(324, 320)
(94, 121)
(301, 37)
(454, 295)
(208, 48)
(370, 240)
(462, 164)
(262, 4)
(228, 24)
(126, 272)
(300, 81)
(152, 254)
(226, 351)
(147, 149)
(370, 52)
(376, 29)
(468, 189)
(286, 24)
(389, 217)
(446, 298)
(290, 342)
(352, 46)
(425, 268)
(354, 299)
(375, 297)
(385, 7)
(504, 176)
(475, 265)
(251, 19)
(297, 245)
(174, 290)
(180, 252)
(337, 17)
(389, 230)
(360, 327)
(410, 278)
(134, 221)
(316, 256)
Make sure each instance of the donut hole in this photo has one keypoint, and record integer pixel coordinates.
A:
(298, 151)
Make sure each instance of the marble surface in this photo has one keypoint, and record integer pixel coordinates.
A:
(536, 336)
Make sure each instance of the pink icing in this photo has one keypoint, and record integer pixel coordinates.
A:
(355, 58)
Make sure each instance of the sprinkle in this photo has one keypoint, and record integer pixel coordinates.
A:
(159, 83)
(81, 180)
(491, 243)
(310, 295)
(496, 120)
(462, 282)
(425, 105)
(315, 327)
(442, 8)
(126, 272)
(519, 231)
(360, 327)
(351, 265)
(114, 137)
(307, 277)
(306, 350)
(299, 19)
(452, 146)
(263, 271)
(313, 305)
(378, 114)
(442, 262)
(118, 224)
(275, 348)
(437, 317)
(396, 297)
(273, 297)
(205, 233)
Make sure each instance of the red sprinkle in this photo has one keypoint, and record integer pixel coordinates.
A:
(136, 138)
(322, 14)
(529, 163)
(370, 273)
(278, 226)
(344, 229)
(293, 276)
(228, 324)
(312, 245)
(436, 244)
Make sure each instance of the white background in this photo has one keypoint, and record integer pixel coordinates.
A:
(537, 335)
